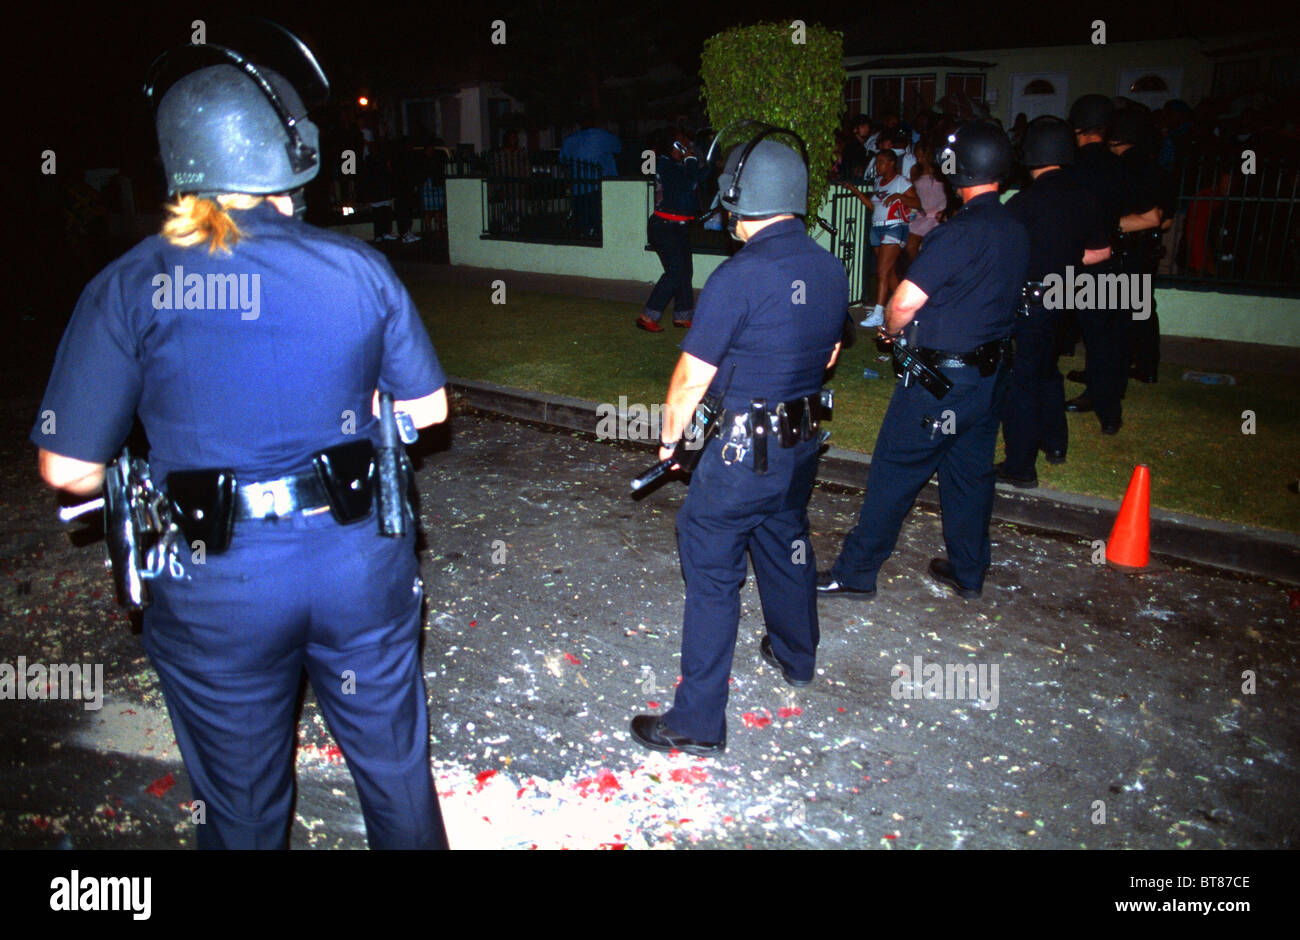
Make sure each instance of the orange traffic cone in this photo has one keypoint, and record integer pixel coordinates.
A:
(1129, 545)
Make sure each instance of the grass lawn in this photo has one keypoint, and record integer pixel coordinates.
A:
(1189, 434)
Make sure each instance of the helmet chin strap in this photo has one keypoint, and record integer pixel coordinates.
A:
(299, 202)
(732, 221)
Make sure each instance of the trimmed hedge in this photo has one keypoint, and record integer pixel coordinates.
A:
(762, 72)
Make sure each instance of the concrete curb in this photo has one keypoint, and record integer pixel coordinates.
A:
(1262, 552)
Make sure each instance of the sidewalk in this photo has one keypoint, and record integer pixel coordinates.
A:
(1203, 355)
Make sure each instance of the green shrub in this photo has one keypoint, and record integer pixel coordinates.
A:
(761, 72)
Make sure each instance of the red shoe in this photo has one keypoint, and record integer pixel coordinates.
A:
(683, 324)
(650, 326)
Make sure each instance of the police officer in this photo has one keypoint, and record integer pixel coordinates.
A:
(1065, 230)
(1105, 331)
(959, 301)
(255, 391)
(767, 327)
(1141, 226)
(678, 175)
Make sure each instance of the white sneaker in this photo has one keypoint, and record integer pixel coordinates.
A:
(410, 237)
(875, 318)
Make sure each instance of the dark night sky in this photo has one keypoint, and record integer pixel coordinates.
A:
(78, 67)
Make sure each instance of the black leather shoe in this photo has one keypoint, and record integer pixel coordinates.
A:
(827, 585)
(766, 649)
(1110, 429)
(1056, 457)
(1025, 483)
(941, 570)
(1082, 403)
(1077, 375)
(650, 731)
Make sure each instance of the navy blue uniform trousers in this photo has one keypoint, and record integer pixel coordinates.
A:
(230, 641)
(906, 456)
(731, 510)
(1033, 409)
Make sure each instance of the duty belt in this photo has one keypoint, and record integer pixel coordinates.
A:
(986, 357)
(789, 422)
(275, 499)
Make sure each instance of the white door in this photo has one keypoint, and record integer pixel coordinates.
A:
(1151, 87)
(1039, 93)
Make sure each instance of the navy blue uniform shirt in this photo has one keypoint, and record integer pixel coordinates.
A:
(751, 324)
(1062, 219)
(258, 380)
(972, 269)
(1103, 174)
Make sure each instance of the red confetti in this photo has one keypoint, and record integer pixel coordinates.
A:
(482, 778)
(473, 623)
(789, 712)
(891, 836)
(753, 720)
(613, 845)
(608, 782)
(688, 775)
(1295, 600)
(573, 659)
(161, 785)
(840, 709)
(40, 822)
(652, 704)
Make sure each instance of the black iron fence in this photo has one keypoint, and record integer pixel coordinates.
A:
(1235, 228)
(536, 196)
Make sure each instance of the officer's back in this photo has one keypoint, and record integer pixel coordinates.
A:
(782, 298)
(286, 370)
(972, 269)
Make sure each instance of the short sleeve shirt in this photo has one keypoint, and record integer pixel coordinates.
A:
(769, 317)
(252, 360)
(972, 269)
(1062, 219)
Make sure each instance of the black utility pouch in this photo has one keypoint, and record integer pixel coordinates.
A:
(347, 472)
(203, 505)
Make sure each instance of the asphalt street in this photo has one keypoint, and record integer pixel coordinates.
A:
(1112, 711)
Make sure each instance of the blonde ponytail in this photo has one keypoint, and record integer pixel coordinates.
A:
(197, 219)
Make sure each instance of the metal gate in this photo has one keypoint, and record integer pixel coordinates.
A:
(851, 222)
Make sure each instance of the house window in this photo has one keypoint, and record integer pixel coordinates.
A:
(1040, 86)
(1233, 77)
(853, 97)
(1148, 83)
(969, 84)
(903, 95)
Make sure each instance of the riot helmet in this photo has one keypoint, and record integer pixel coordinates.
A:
(231, 123)
(1091, 111)
(980, 152)
(764, 177)
(1129, 127)
(1048, 141)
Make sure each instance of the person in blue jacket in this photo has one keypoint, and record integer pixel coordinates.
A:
(249, 344)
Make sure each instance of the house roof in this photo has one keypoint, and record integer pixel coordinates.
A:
(904, 63)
